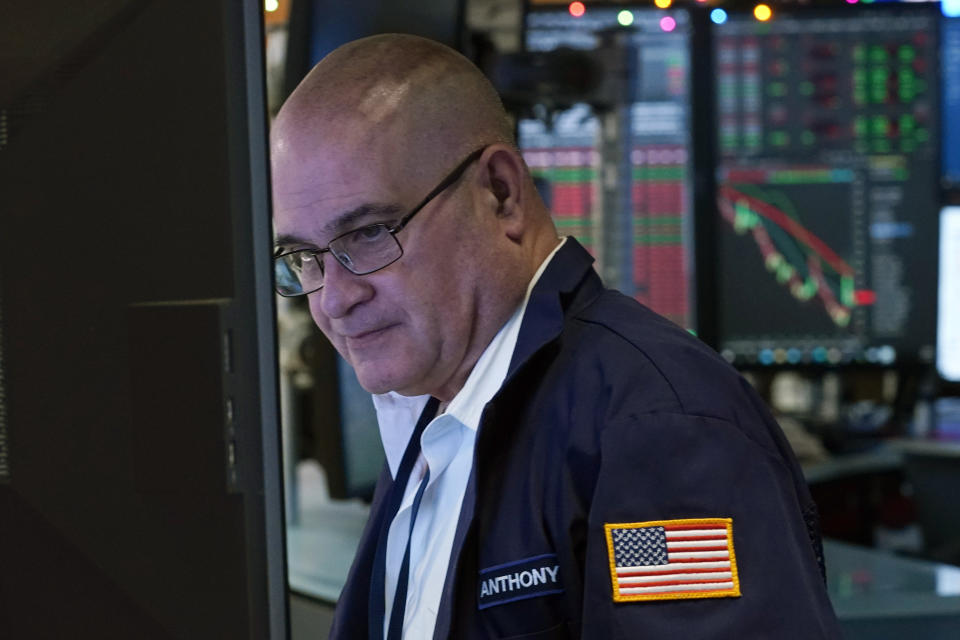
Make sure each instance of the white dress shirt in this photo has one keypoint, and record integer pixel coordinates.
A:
(446, 447)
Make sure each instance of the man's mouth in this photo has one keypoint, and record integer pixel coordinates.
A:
(370, 334)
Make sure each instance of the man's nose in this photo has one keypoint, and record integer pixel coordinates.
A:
(342, 289)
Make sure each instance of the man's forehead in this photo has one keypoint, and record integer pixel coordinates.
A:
(318, 229)
(321, 197)
(307, 167)
(321, 208)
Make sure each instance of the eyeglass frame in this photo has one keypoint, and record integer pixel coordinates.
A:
(316, 254)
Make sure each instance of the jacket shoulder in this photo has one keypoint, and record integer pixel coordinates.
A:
(657, 357)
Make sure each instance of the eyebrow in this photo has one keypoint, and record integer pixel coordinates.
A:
(345, 222)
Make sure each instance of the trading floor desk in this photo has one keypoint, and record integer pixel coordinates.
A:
(878, 595)
(856, 493)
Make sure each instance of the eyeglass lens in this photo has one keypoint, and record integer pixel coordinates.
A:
(361, 251)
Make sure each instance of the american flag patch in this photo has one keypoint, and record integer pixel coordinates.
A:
(672, 559)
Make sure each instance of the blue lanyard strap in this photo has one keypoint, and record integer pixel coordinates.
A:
(395, 498)
(400, 597)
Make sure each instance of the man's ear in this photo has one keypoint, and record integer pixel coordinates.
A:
(503, 179)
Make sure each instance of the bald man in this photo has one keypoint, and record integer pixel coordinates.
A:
(561, 462)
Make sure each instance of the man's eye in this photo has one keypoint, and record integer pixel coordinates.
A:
(370, 234)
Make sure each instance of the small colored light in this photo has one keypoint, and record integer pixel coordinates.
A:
(852, 1)
(271, 5)
(719, 16)
(576, 9)
(625, 18)
(762, 12)
(865, 297)
(950, 8)
(668, 24)
(663, 4)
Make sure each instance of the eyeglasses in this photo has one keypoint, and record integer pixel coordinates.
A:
(361, 251)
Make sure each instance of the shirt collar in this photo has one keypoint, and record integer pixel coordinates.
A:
(397, 414)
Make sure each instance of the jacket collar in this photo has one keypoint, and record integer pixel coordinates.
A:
(550, 300)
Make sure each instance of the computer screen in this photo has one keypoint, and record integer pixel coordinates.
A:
(950, 69)
(948, 309)
(640, 230)
(828, 130)
(140, 491)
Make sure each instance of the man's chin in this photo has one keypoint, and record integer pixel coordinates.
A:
(379, 384)
(375, 380)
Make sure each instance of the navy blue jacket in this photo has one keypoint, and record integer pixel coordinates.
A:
(611, 414)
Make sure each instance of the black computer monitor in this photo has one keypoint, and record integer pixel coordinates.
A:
(639, 226)
(828, 186)
(140, 492)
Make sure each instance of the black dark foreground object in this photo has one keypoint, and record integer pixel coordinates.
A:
(140, 491)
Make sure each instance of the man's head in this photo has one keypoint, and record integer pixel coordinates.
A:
(370, 131)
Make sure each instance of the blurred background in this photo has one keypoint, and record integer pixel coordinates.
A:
(781, 179)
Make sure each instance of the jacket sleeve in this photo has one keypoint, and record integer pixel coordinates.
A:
(671, 466)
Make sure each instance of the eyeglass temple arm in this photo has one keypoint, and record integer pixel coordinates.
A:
(449, 180)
